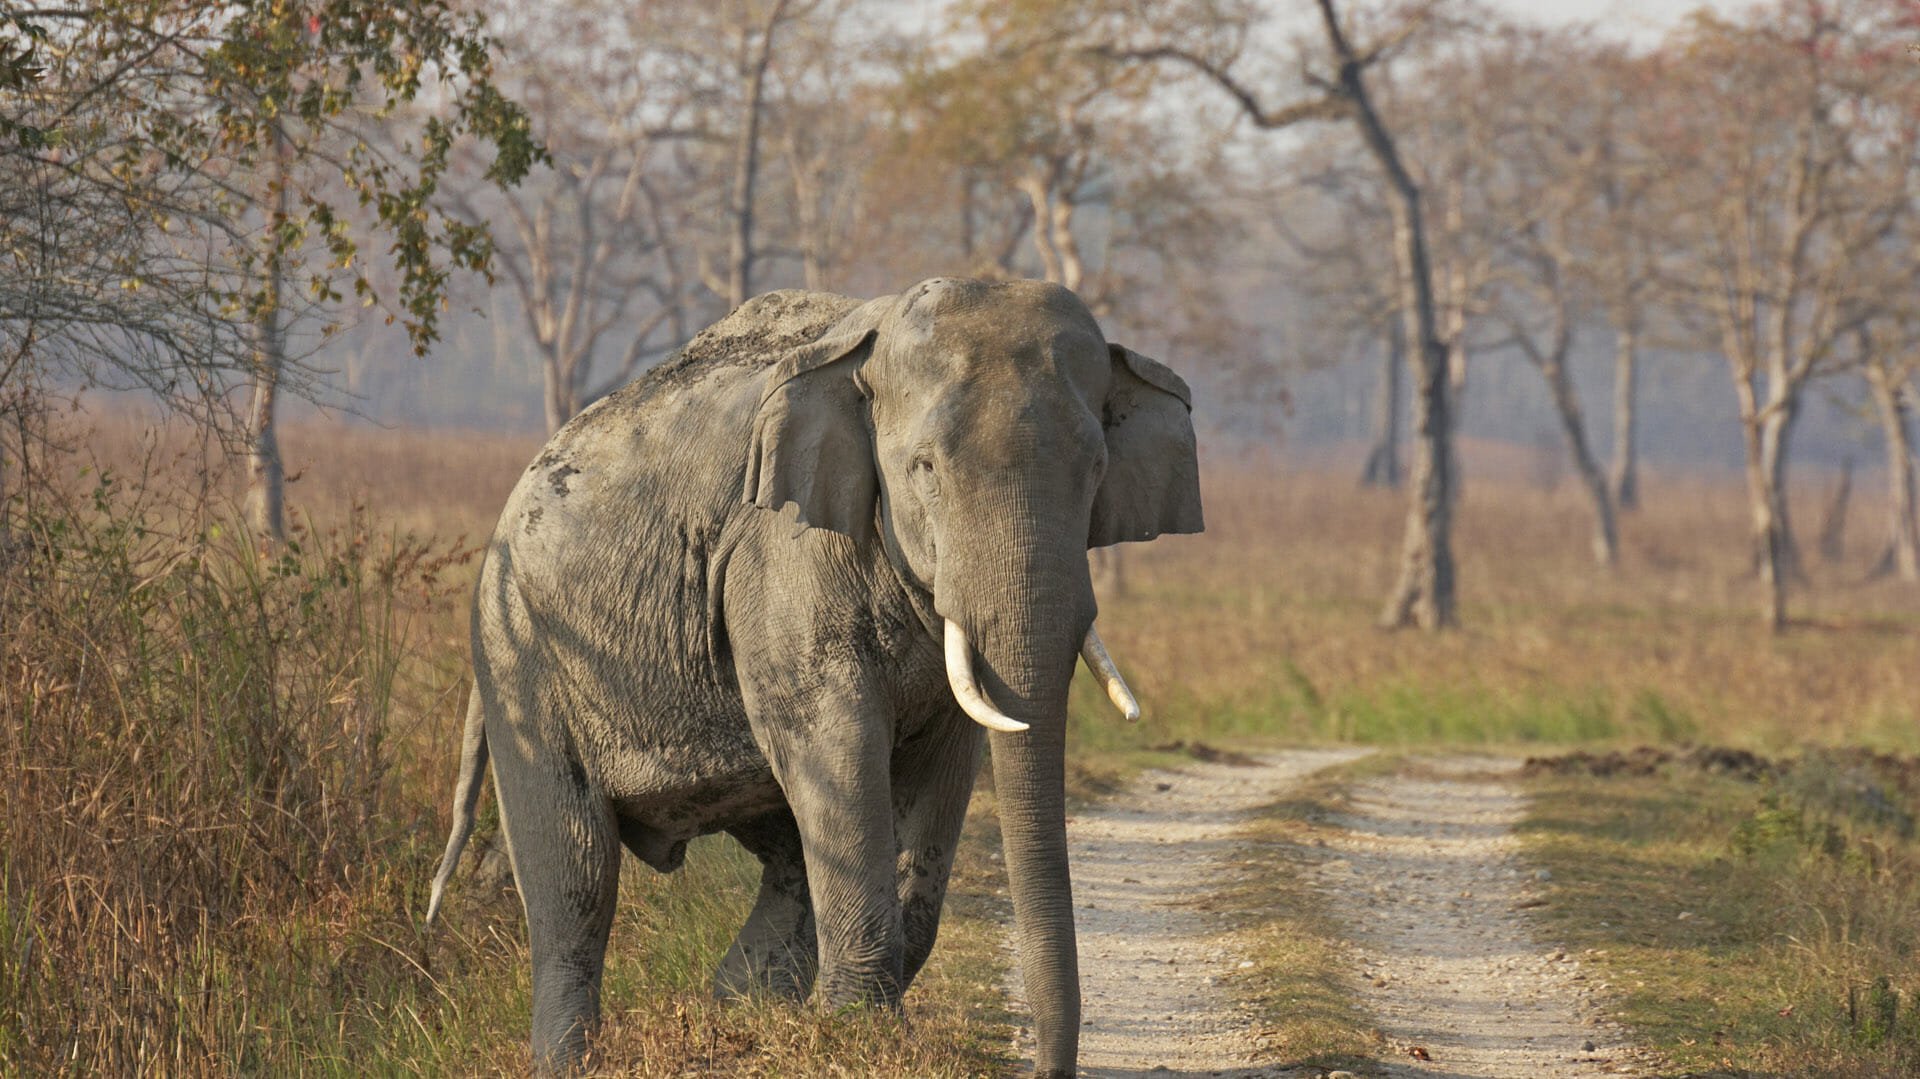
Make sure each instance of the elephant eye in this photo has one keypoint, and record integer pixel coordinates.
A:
(924, 479)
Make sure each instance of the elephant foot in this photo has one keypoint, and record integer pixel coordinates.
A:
(847, 992)
(744, 976)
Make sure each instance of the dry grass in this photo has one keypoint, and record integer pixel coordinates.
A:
(1264, 626)
(1299, 984)
(226, 783)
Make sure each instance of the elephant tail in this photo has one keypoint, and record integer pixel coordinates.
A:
(466, 798)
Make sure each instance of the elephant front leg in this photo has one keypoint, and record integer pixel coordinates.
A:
(776, 951)
(934, 780)
(835, 772)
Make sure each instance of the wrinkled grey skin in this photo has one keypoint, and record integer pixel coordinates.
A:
(715, 603)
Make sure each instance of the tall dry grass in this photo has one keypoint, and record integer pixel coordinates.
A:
(1747, 925)
(208, 837)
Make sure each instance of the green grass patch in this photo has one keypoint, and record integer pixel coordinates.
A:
(1408, 713)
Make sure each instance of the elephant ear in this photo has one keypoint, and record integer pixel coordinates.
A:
(811, 443)
(1152, 485)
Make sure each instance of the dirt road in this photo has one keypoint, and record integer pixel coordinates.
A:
(1423, 871)
(1423, 874)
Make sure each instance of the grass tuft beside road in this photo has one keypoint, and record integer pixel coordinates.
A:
(1764, 926)
(1300, 984)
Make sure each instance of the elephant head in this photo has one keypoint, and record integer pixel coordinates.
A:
(987, 435)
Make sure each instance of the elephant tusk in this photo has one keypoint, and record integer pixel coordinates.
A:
(1100, 663)
(967, 691)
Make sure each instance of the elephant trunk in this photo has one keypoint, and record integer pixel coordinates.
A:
(1027, 615)
(1029, 779)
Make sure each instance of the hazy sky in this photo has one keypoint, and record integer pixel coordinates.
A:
(1642, 18)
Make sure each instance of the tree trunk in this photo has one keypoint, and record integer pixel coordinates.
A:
(1766, 500)
(1383, 461)
(964, 202)
(554, 383)
(1625, 477)
(806, 216)
(6, 501)
(1040, 196)
(1777, 435)
(1424, 593)
(15, 400)
(1453, 328)
(1606, 542)
(1902, 555)
(1072, 269)
(1833, 522)
(266, 475)
(746, 167)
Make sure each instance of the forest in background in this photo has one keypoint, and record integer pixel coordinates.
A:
(1216, 251)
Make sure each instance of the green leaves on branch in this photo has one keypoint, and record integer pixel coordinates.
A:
(277, 129)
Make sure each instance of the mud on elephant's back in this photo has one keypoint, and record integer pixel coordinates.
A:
(754, 334)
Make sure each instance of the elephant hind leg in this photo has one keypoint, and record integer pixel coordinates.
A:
(777, 951)
(566, 864)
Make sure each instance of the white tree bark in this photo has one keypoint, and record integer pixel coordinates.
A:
(1902, 554)
(265, 506)
(1624, 477)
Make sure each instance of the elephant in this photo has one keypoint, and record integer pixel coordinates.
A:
(784, 586)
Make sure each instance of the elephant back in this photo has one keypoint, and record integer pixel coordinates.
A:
(753, 335)
(631, 496)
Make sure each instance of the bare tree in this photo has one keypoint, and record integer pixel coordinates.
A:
(753, 34)
(1452, 144)
(820, 117)
(1892, 386)
(1779, 187)
(1543, 194)
(597, 256)
(1335, 227)
(1615, 226)
(265, 509)
(1423, 594)
(1888, 361)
